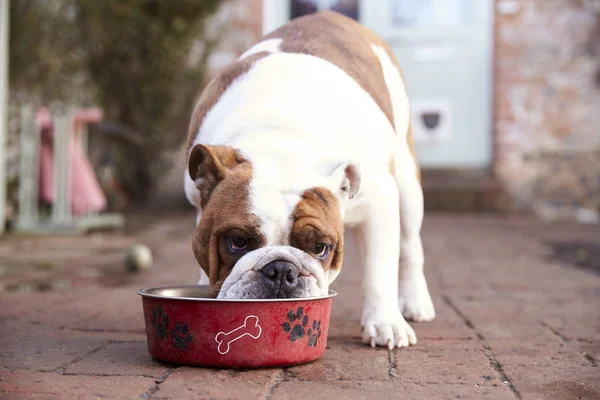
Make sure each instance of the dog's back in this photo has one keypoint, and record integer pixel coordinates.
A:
(354, 50)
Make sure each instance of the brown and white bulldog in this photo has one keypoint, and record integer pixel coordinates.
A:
(306, 133)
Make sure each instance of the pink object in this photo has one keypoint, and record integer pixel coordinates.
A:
(183, 326)
(86, 193)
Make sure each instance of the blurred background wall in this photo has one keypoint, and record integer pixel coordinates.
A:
(547, 103)
(511, 88)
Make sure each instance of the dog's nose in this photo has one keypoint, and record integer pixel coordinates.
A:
(282, 276)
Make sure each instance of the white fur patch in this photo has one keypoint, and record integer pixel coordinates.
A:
(397, 91)
(274, 209)
(269, 45)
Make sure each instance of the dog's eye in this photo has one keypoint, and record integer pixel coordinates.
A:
(237, 244)
(321, 250)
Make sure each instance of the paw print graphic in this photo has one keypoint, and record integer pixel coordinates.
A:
(314, 333)
(160, 321)
(295, 324)
(181, 336)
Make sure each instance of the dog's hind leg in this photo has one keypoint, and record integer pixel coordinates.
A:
(415, 301)
(413, 294)
(382, 321)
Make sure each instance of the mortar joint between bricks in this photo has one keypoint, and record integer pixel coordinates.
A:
(392, 371)
(147, 395)
(280, 377)
(590, 359)
(494, 363)
(63, 368)
(554, 331)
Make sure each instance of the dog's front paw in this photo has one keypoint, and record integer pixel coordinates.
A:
(387, 328)
(415, 301)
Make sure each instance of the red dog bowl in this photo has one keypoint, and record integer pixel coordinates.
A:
(184, 326)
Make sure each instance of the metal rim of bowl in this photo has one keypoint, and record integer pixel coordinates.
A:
(146, 293)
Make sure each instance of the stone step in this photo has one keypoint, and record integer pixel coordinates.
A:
(463, 190)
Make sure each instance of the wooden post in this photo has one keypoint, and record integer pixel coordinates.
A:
(28, 171)
(61, 209)
(61, 219)
(4, 32)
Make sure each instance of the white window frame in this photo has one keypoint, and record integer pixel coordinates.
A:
(277, 12)
(4, 32)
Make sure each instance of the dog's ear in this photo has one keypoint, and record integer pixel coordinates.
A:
(208, 165)
(344, 178)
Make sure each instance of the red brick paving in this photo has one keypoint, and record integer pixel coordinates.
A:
(196, 383)
(17, 385)
(344, 360)
(28, 345)
(360, 390)
(513, 322)
(126, 358)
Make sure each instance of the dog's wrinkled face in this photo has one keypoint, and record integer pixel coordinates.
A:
(252, 252)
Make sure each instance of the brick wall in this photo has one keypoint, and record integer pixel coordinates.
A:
(547, 105)
(237, 25)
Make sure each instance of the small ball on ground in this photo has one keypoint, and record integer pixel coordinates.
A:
(139, 257)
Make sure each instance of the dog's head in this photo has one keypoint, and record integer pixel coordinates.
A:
(267, 235)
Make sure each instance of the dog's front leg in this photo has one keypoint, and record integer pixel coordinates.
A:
(382, 321)
(203, 277)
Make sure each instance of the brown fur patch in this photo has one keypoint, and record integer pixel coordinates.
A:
(211, 164)
(317, 219)
(226, 213)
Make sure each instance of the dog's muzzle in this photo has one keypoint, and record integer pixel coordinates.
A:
(275, 272)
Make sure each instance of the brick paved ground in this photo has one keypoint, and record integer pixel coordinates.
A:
(518, 307)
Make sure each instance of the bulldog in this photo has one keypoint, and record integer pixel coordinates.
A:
(305, 134)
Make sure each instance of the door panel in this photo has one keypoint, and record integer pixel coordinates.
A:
(444, 48)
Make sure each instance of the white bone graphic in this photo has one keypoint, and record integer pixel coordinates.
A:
(250, 328)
